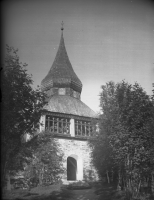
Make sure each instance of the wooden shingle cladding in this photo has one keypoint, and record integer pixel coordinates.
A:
(62, 91)
(61, 73)
(69, 105)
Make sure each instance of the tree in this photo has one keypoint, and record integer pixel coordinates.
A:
(21, 110)
(125, 144)
(46, 165)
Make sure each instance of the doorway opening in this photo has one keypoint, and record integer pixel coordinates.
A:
(71, 168)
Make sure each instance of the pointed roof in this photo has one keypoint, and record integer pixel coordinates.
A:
(62, 76)
(61, 72)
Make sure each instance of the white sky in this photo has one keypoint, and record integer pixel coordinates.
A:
(105, 40)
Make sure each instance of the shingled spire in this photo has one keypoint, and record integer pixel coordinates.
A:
(61, 75)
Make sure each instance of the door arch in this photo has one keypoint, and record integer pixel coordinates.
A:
(71, 168)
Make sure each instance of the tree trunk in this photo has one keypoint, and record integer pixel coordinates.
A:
(3, 172)
(8, 182)
(40, 178)
(152, 188)
(119, 181)
(107, 174)
(150, 185)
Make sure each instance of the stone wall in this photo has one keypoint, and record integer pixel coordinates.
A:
(79, 150)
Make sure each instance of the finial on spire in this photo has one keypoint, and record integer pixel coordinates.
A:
(62, 24)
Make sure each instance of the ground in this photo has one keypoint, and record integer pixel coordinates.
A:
(57, 192)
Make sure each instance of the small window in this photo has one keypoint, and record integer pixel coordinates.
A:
(75, 94)
(62, 91)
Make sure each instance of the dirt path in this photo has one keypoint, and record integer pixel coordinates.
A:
(88, 194)
(56, 192)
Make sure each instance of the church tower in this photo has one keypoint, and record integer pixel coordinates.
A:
(67, 117)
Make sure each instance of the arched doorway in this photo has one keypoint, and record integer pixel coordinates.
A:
(71, 168)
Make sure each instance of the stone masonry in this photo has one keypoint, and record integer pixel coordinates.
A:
(80, 151)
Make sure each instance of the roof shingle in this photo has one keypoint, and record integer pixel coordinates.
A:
(61, 69)
(69, 105)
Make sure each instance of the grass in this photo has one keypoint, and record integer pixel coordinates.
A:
(108, 192)
(52, 192)
(56, 192)
(79, 185)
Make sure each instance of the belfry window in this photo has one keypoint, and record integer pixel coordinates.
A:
(57, 124)
(62, 91)
(84, 128)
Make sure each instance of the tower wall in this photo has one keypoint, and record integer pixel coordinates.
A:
(80, 150)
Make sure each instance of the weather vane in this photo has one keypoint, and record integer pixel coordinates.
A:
(62, 24)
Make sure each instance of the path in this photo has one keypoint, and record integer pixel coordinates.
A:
(54, 192)
(88, 194)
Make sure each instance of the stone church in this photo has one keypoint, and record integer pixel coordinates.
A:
(71, 121)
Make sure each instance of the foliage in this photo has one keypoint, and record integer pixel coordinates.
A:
(79, 185)
(124, 149)
(21, 110)
(46, 164)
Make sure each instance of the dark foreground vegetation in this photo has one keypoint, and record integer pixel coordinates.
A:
(21, 111)
(51, 192)
(39, 157)
(96, 191)
(123, 151)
